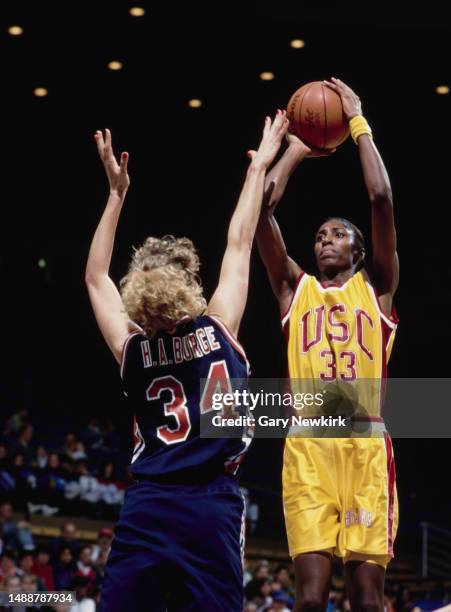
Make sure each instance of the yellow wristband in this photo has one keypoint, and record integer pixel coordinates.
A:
(359, 126)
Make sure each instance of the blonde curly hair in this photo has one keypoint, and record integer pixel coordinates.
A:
(162, 284)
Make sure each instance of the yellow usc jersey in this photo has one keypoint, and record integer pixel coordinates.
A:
(339, 334)
(339, 494)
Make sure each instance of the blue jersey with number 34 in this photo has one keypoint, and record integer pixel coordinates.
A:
(162, 381)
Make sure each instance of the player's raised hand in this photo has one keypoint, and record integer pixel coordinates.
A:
(273, 134)
(117, 173)
(350, 100)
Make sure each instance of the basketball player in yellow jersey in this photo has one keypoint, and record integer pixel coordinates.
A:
(339, 493)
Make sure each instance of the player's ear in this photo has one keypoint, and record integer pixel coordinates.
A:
(359, 255)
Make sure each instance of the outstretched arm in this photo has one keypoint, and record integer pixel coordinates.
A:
(103, 294)
(282, 270)
(384, 265)
(229, 299)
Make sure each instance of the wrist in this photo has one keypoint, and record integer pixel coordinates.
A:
(257, 167)
(294, 154)
(118, 194)
(359, 126)
(298, 149)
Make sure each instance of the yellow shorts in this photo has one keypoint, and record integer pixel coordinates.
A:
(339, 496)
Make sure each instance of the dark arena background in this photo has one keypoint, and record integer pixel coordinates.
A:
(187, 161)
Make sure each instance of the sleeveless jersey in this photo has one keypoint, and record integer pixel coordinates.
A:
(339, 334)
(161, 377)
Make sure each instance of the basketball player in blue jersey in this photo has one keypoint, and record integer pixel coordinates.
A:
(178, 543)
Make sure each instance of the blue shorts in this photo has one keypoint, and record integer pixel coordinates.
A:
(177, 547)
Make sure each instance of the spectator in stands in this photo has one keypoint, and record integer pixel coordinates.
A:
(30, 584)
(404, 603)
(258, 591)
(9, 524)
(84, 566)
(8, 567)
(100, 566)
(26, 562)
(67, 538)
(261, 570)
(282, 576)
(73, 448)
(11, 584)
(83, 603)
(23, 479)
(69, 441)
(42, 568)
(343, 604)
(64, 569)
(23, 445)
(388, 604)
(16, 422)
(281, 602)
(105, 537)
(108, 473)
(41, 457)
(250, 607)
(332, 603)
(52, 484)
(15, 535)
(91, 434)
(111, 439)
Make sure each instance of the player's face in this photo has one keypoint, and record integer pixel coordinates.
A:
(334, 247)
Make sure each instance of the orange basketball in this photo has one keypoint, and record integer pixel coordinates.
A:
(316, 116)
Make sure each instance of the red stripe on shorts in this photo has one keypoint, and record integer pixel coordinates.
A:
(391, 473)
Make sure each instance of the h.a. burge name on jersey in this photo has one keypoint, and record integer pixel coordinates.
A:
(180, 348)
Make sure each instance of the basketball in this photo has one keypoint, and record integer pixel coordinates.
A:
(316, 116)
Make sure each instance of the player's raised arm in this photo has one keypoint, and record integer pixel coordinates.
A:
(103, 294)
(229, 299)
(384, 266)
(282, 270)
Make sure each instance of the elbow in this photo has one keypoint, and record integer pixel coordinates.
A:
(381, 196)
(91, 278)
(241, 240)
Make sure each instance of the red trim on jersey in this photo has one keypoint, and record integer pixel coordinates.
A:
(124, 350)
(387, 331)
(230, 337)
(393, 316)
(391, 473)
(295, 288)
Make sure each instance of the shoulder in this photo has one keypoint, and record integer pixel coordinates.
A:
(220, 325)
(132, 341)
